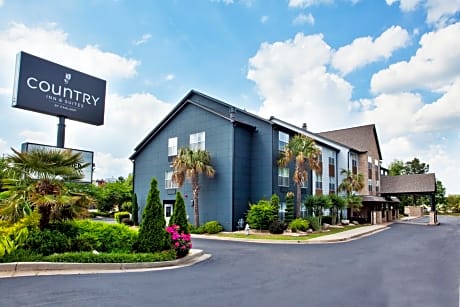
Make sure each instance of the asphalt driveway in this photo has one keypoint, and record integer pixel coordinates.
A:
(407, 265)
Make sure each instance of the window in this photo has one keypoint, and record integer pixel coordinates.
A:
(283, 176)
(319, 182)
(354, 163)
(331, 166)
(331, 185)
(369, 185)
(369, 168)
(281, 211)
(169, 183)
(303, 210)
(172, 147)
(377, 171)
(283, 140)
(197, 141)
(377, 186)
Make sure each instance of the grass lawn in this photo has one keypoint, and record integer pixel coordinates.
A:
(286, 236)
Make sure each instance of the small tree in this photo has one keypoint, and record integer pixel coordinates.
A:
(260, 215)
(289, 212)
(337, 205)
(135, 210)
(179, 216)
(152, 234)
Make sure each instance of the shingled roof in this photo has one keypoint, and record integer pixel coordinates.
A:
(359, 138)
(408, 184)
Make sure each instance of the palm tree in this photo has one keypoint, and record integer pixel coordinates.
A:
(351, 184)
(190, 164)
(303, 150)
(39, 183)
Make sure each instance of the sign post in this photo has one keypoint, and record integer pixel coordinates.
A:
(61, 132)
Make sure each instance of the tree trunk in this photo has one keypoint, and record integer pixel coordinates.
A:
(45, 211)
(298, 201)
(196, 209)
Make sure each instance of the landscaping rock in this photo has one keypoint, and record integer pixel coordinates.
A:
(326, 226)
(355, 222)
(345, 222)
(309, 230)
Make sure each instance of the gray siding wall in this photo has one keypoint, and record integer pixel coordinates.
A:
(216, 193)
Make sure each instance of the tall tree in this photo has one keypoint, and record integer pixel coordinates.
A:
(289, 212)
(40, 183)
(440, 196)
(191, 164)
(416, 167)
(152, 233)
(351, 184)
(135, 210)
(303, 151)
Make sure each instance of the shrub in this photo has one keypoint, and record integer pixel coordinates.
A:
(109, 237)
(197, 230)
(121, 215)
(86, 241)
(212, 227)
(260, 215)
(47, 242)
(127, 206)
(276, 227)
(179, 216)
(89, 257)
(181, 242)
(299, 225)
(152, 233)
(314, 223)
(289, 212)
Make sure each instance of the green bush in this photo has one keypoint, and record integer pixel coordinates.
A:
(197, 230)
(89, 257)
(110, 237)
(276, 227)
(47, 242)
(299, 225)
(135, 210)
(86, 241)
(212, 227)
(260, 215)
(121, 215)
(314, 223)
(21, 255)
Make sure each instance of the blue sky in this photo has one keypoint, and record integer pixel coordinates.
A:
(329, 63)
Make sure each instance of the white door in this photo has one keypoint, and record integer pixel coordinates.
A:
(168, 212)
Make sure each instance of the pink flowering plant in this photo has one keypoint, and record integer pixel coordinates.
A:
(180, 242)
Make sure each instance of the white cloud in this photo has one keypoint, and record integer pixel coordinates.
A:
(405, 5)
(264, 19)
(304, 19)
(108, 166)
(37, 41)
(434, 66)
(438, 12)
(292, 79)
(307, 3)
(170, 77)
(145, 38)
(2, 2)
(365, 50)
(443, 114)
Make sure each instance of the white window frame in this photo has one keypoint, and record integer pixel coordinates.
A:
(172, 147)
(198, 141)
(169, 183)
(283, 140)
(283, 177)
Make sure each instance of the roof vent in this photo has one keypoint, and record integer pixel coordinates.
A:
(304, 126)
(232, 113)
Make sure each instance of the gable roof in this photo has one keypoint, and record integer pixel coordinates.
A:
(408, 184)
(359, 138)
(182, 103)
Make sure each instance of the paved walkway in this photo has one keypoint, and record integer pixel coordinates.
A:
(47, 268)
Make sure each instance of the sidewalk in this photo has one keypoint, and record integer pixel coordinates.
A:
(333, 238)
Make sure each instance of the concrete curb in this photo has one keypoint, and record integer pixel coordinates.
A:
(342, 237)
(48, 268)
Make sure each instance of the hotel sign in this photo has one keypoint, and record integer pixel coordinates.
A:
(46, 87)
